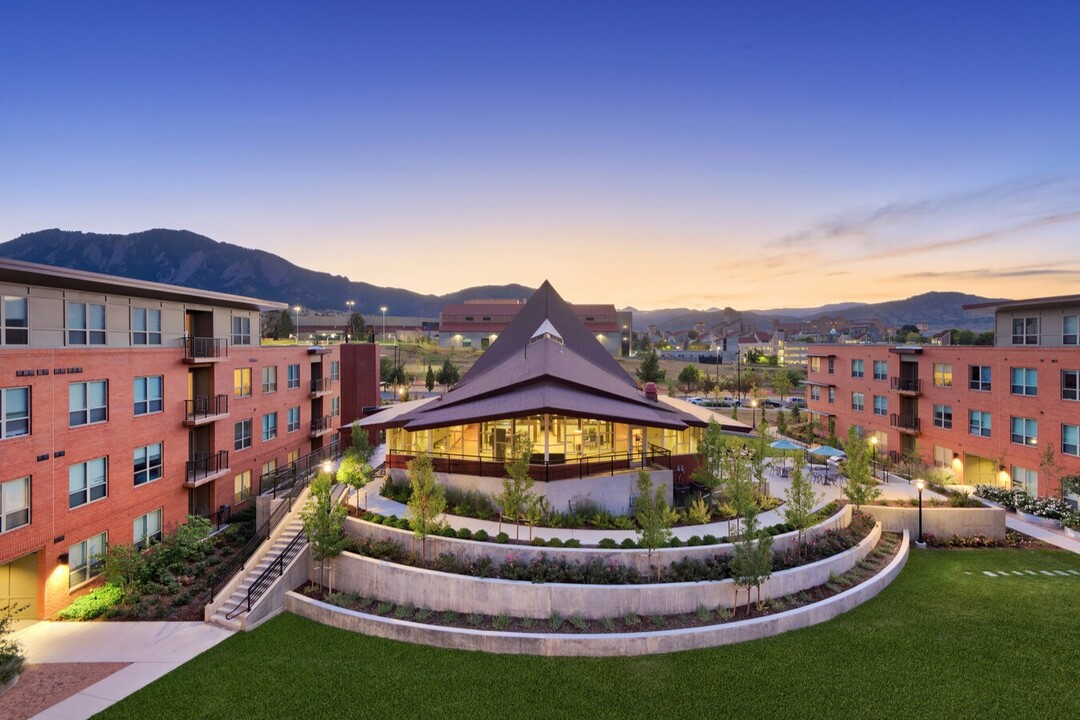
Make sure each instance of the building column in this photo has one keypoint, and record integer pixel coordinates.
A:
(547, 437)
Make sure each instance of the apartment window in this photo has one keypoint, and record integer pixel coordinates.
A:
(832, 365)
(1070, 439)
(241, 378)
(146, 530)
(85, 324)
(1070, 384)
(1025, 331)
(86, 560)
(14, 321)
(145, 326)
(293, 376)
(1025, 431)
(241, 331)
(292, 456)
(979, 423)
(88, 403)
(293, 419)
(269, 467)
(815, 364)
(335, 406)
(1025, 381)
(242, 487)
(335, 370)
(881, 405)
(881, 370)
(269, 379)
(242, 435)
(815, 392)
(856, 368)
(14, 504)
(943, 416)
(1070, 329)
(148, 394)
(14, 412)
(832, 394)
(87, 481)
(857, 401)
(942, 457)
(1025, 479)
(979, 377)
(148, 463)
(269, 426)
(943, 374)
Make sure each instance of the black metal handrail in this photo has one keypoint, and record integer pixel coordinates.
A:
(272, 572)
(905, 422)
(906, 384)
(203, 347)
(202, 465)
(228, 571)
(290, 480)
(320, 424)
(203, 407)
(321, 385)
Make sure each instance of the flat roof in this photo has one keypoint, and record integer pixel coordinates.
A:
(19, 271)
(1049, 301)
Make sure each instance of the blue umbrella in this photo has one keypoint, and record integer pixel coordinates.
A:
(784, 445)
(826, 451)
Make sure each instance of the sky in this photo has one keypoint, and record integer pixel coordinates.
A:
(659, 154)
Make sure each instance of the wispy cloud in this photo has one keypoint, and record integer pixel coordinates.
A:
(1057, 270)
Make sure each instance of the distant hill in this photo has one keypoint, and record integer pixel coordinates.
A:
(181, 257)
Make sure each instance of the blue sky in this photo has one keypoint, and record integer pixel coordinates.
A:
(751, 154)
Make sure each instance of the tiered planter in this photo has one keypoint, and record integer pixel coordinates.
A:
(1038, 520)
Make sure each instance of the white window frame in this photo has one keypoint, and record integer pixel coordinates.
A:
(984, 382)
(1070, 393)
(241, 489)
(91, 484)
(293, 419)
(80, 325)
(152, 467)
(1070, 330)
(884, 409)
(241, 330)
(884, 375)
(143, 534)
(1024, 381)
(15, 511)
(86, 559)
(1028, 333)
(269, 427)
(149, 404)
(858, 402)
(981, 429)
(941, 370)
(335, 370)
(77, 389)
(1024, 431)
(16, 334)
(145, 326)
(1070, 446)
(861, 368)
(242, 440)
(293, 381)
(12, 426)
(943, 416)
(269, 378)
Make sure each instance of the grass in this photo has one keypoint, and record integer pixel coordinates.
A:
(944, 640)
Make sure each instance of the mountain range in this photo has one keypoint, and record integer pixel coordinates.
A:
(181, 257)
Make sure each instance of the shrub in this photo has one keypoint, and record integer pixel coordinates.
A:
(481, 535)
(709, 540)
(698, 513)
(694, 541)
(572, 543)
(607, 544)
(11, 652)
(374, 517)
(538, 541)
(93, 604)
(675, 542)
(470, 503)
(555, 542)
(397, 490)
(464, 533)
(628, 544)
(403, 524)
(502, 538)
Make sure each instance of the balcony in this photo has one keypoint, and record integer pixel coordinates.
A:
(198, 350)
(203, 468)
(320, 426)
(204, 410)
(908, 424)
(320, 387)
(907, 386)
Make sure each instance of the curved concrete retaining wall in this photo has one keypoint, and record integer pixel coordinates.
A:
(941, 521)
(607, 645)
(465, 594)
(472, 549)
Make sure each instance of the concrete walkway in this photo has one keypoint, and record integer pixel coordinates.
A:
(1053, 537)
(152, 648)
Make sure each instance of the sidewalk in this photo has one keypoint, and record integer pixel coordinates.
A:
(152, 648)
(1041, 533)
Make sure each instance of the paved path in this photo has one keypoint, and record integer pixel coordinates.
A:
(152, 648)
(1054, 537)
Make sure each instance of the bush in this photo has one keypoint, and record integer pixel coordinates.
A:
(481, 535)
(709, 540)
(555, 542)
(403, 524)
(470, 503)
(608, 544)
(538, 541)
(397, 490)
(374, 517)
(628, 544)
(464, 534)
(694, 541)
(11, 653)
(573, 543)
(502, 538)
(93, 604)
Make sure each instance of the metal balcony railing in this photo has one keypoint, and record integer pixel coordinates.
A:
(204, 407)
(203, 466)
(912, 385)
(203, 348)
(904, 422)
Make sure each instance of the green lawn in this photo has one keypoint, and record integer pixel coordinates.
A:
(944, 641)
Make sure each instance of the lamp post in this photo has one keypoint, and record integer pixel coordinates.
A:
(753, 410)
(383, 309)
(327, 466)
(920, 485)
(296, 309)
(873, 455)
(349, 305)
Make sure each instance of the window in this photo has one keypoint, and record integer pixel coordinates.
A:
(943, 416)
(86, 560)
(1025, 331)
(293, 419)
(85, 324)
(943, 374)
(241, 331)
(242, 487)
(14, 321)
(815, 392)
(269, 426)
(1070, 439)
(832, 365)
(146, 530)
(942, 457)
(14, 504)
(815, 364)
(292, 457)
(832, 394)
(241, 382)
(294, 376)
(1025, 381)
(335, 406)
(87, 482)
(881, 405)
(335, 370)
(979, 378)
(242, 435)
(148, 463)
(269, 379)
(1025, 431)
(857, 368)
(14, 412)
(1070, 329)
(1070, 384)
(145, 326)
(857, 401)
(881, 369)
(88, 403)
(148, 392)
(269, 467)
(979, 423)
(1024, 479)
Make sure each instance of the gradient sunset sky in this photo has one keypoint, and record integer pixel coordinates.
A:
(752, 154)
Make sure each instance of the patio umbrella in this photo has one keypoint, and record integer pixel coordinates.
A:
(784, 445)
(827, 451)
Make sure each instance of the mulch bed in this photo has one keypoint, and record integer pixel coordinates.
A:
(44, 685)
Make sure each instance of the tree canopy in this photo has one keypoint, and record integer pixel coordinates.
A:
(650, 370)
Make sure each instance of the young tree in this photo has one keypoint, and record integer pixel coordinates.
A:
(1049, 468)
(781, 423)
(708, 385)
(517, 485)
(283, 325)
(429, 379)
(654, 516)
(427, 502)
(712, 449)
(801, 499)
(448, 374)
(323, 517)
(11, 651)
(649, 370)
(860, 487)
(751, 560)
(357, 325)
(355, 469)
(738, 485)
(535, 511)
(759, 452)
(796, 415)
(811, 430)
(782, 384)
(689, 377)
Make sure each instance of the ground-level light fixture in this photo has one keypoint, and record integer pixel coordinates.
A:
(920, 484)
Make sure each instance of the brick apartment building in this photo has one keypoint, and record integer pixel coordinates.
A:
(127, 405)
(987, 413)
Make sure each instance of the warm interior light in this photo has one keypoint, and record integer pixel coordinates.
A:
(920, 485)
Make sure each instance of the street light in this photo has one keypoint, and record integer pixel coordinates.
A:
(296, 308)
(349, 305)
(383, 309)
(873, 456)
(753, 410)
(920, 485)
